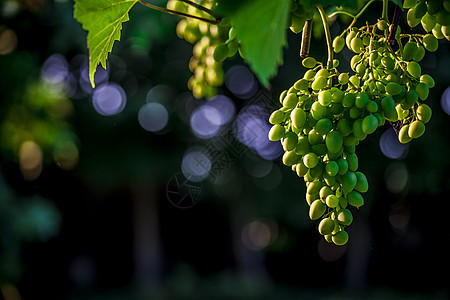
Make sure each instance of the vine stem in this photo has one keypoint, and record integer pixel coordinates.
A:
(306, 39)
(384, 14)
(343, 12)
(327, 36)
(198, 6)
(173, 12)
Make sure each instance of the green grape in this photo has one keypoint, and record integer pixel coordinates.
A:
(298, 117)
(323, 73)
(337, 96)
(348, 181)
(348, 100)
(423, 113)
(443, 17)
(412, 20)
(318, 111)
(338, 44)
(343, 78)
(414, 69)
(409, 3)
(361, 182)
(302, 147)
(276, 133)
(352, 161)
(437, 32)
(309, 62)
(355, 112)
(361, 100)
(355, 81)
(382, 25)
(420, 9)
(430, 42)
(393, 88)
(277, 117)
(332, 201)
(325, 97)
(357, 130)
(323, 126)
(403, 136)
(314, 137)
(349, 38)
(301, 84)
(409, 50)
(290, 141)
(301, 171)
(355, 199)
(428, 80)
(332, 168)
(388, 63)
(416, 129)
(310, 74)
(220, 53)
(428, 22)
(290, 101)
(319, 149)
(291, 158)
(422, 90)
(369, 124)
(316, 171)
(310, 160)
(345, 217)
(446, 32)
(343, 166)
(433, 6)
(340, 238)
(317, 209)
(357, 45)
(319, 83)
(233, 47)
(326, 226)
(372, 106)
(334, 141)
(420, 53)
(344, 126)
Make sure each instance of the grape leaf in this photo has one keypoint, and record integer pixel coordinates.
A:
(102, 19)
(261, 29)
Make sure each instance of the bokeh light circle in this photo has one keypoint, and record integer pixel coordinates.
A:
(391, 146)
(195, 165)
(109, 99)
(153, 117)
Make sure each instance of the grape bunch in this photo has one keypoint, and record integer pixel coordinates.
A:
(433, 15)
(392, 79)
(326, 114)
(319, 137)
(207, 72)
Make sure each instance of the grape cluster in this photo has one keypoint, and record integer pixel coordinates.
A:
(319, 137)
(326, 114)
(207, 72)
(392, 79)
(433, 15)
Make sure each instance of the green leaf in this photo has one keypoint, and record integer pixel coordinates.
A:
(102, 19)
(261, 29)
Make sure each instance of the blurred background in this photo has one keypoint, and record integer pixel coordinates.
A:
(95, 201)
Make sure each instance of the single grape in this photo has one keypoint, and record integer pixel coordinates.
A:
(423, 113)
(422, 90)
(319, 83)
(411, 19)
(297, 23)
(428, 80)
(332, 201)
(419, 54)
(325, 97)
(334, 141)
(414, 69)
(289, 141)
(332, 168)
(361, 182)
(361, 100)
(220, 53)
(348, 181)
(338, 44)
(352, 161)
(326, 226)
(428, 22)
(340, 238)
(310, 160)
(290, 101)
(276, 132)
(393, 88)
(345, 217)
(317, 209)
(369, 124)
(309, 62)
(323, 126)
(343, 166)
(430, 42)
(416, 129)
(403, 136)
(355, 199)
(409, 50)
(277, 117)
